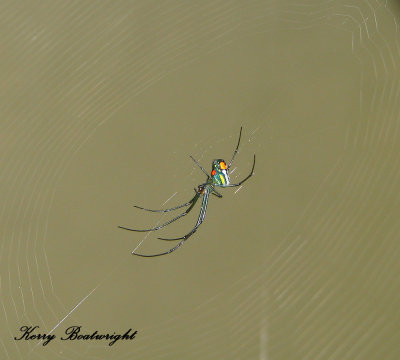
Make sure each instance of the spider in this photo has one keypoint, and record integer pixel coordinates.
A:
(219, 177)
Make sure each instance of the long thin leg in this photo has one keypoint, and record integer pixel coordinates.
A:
(237, 148)
(200, 219)
(216, 193)
(164, 210)
(191, 202)
(246, 178)
(198, 164)
(164, 253)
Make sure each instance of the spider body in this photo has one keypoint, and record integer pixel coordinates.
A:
(219, 173)
(219, 178)
(201, 189)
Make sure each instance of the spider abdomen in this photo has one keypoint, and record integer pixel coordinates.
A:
(219, 172)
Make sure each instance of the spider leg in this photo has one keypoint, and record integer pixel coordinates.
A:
(237, 148)
(198, 164)
(191, 202)
(164, 210)
(202, 216)
(216, 193)
(163, 253)
(246, 178)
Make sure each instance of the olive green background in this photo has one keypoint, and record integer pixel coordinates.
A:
(101, 105)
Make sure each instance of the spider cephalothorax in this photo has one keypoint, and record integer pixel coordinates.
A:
(219, 172)
(219, 177)
(200, 189)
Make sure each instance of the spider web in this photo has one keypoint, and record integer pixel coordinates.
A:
(300, 262)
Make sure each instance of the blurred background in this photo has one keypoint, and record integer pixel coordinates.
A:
(101, 105)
